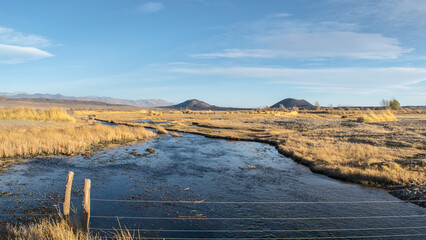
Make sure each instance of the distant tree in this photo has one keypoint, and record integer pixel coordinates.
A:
(384, 103)
(394, 104)
(330, 107)
(317, 105)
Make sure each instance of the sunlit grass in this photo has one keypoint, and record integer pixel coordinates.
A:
(26, 141)
(29, 114)
(382, 116)
(59, 229)
(91, 112)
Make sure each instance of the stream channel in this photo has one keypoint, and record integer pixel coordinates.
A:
(277, 198)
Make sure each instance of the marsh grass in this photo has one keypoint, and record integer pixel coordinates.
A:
(29, 141)
(160, 129)
(29, 114)
(47, 229)
(90, 112)
(59, 229)
(356, 162)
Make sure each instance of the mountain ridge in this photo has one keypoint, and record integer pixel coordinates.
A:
(108, 100)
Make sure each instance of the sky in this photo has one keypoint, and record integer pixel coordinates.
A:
(231, 53)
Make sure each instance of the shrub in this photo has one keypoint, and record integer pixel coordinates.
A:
(394, 104)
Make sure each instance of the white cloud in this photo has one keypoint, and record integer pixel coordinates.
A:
(150, 7)
(277, 38)
(10, 54)
(17, 47)
(350, 80)
(12, 37)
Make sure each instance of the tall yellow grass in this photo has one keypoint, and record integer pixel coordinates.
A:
(51, 229)
(357, 162)
(382, 116)
(90, 112)
(27, 141)
(29, 114)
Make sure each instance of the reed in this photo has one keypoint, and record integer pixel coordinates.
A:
(29, 141)
(29, 114)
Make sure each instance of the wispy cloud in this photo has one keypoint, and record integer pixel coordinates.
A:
(17, 47)
(282, 38)
(279, 15)
(362, 80)
(151, 7)
(12, 37)
(388, 13)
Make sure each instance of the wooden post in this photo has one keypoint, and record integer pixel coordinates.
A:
(86, 205)
(67, 199)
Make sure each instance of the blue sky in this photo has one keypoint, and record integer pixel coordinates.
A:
(241, 53)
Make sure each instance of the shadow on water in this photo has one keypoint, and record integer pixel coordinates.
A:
(196, 168)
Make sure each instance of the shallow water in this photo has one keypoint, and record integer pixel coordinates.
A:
(196, 168)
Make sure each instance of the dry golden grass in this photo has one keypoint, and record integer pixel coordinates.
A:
(29, 114)
(51, 229)
(357, 162)
(90, 112)
(382, 116)
(47, 230)
(27, 141)
(160, 129)
(292, 113)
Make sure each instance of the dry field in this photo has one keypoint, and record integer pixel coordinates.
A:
(369, 147)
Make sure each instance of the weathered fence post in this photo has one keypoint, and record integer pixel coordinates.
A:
(67, 199)
(86, 205)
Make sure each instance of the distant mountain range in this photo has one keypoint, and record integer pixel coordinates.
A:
(109, 100)
(192, 104)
